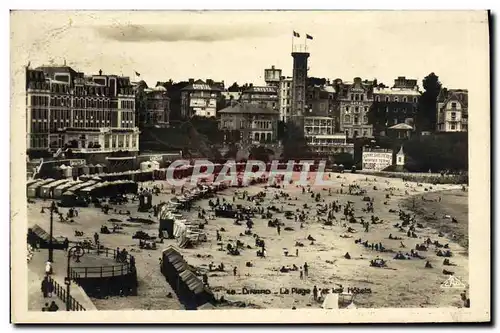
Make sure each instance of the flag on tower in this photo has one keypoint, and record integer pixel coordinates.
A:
(137, 74)
(309, 36)
(296, 34)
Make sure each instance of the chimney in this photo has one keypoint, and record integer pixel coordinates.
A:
(191, 81)
(100, 72)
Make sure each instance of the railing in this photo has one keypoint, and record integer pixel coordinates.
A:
(74, 305)
(121, 268)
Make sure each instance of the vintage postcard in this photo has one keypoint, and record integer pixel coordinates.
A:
(265, 167)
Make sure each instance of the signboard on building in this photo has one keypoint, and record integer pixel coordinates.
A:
(376, 160)
(74, 163)
(157, 158)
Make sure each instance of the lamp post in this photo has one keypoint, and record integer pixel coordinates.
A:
(52, 208)
(77, 252)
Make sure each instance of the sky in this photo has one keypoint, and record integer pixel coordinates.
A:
(237, 46)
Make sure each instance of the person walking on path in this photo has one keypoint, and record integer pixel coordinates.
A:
(315, 293)
(45, 287)
(306, 270)
(48, 268)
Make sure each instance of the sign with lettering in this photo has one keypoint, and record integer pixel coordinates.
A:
(74, 163)
(157, 158)
(376, 161)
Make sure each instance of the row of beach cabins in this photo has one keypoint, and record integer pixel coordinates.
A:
(104, 183)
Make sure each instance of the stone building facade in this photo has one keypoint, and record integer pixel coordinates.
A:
(88, 114)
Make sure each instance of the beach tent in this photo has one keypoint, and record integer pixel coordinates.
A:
(83, 170)
(59, 190)
(47, 190)
(99, 168)
(34, 189)
(197, 293)
(331, 301)
(33, 184)
(42, 237)
(67, 171)
(68, 199)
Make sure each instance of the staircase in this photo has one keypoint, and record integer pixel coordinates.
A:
(33, 167)
(58, 153)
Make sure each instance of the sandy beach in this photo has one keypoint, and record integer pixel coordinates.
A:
(404, 283)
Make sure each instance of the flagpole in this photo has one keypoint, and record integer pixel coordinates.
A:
(293, 37)
(305, 44)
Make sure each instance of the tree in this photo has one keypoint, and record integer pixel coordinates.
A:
(232, 152)
(426, 116)
(446, 151)
(221, 102)
(234, 87)
(259, 153)
(174, 92)
(315, 81)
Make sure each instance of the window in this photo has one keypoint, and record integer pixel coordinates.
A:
(356, 97)
(453, 105)
(365, 134)
(347, 119)
(405, 99)
(356, 109)
(356, 121)
(346, 109)
(365, 120)
(366, 109)
(453, 126)
(355, 133)
(396, 99)
(453, 116)
(414, 100)
(387, 98)
(377, 98)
